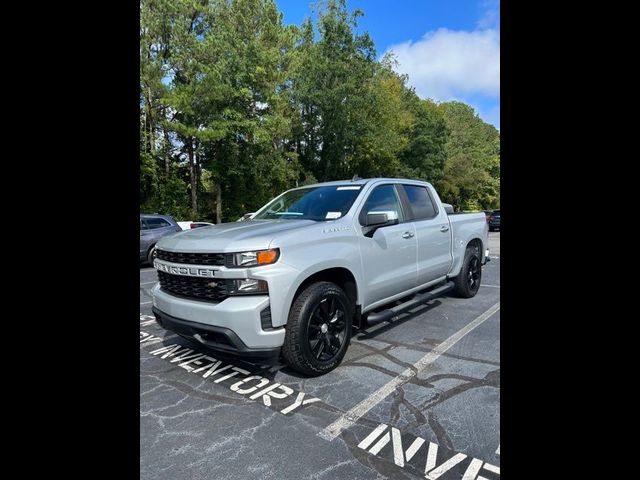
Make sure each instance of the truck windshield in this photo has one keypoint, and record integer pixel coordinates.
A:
(313, 203)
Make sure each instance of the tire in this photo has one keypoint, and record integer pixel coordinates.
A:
(467, 283)
(150, 255)
(316, 313)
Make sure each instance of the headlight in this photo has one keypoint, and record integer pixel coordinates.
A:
(248, 286)
(255, 258)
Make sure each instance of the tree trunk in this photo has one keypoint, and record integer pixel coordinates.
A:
(149, 125)
(167, 155)
(218, 203)
(193, 174)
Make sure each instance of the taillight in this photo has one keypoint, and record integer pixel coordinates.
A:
(193, 225)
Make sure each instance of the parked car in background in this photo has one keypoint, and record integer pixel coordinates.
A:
(246, 216)
(494, 220)
(188, 225)
(200, 224)
(152, 228)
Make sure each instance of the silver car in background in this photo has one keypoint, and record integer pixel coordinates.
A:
(153, 227)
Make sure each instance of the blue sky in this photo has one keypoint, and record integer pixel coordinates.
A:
(449, 48)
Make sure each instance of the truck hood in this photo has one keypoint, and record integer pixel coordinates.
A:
(231, 237)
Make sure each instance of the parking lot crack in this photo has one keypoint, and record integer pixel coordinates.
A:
(491, 379)
(439, 431)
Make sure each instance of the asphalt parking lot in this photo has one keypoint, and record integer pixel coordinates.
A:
(416, 398)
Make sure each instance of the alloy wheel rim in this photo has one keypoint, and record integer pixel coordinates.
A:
(474, 273)
(327, 328)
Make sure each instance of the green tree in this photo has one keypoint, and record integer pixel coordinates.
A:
(425, 155)
(472, 169)
(235, 107)
(331, 80)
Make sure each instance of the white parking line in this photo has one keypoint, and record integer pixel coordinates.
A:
(353, 415)
(491, 286)
(498, 450)
(149, 283)
(145, 303)
(150, 269)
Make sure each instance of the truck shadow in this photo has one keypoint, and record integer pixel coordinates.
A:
(370, 332)
(270, 368)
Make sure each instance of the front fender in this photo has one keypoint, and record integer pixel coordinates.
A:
(338, 252)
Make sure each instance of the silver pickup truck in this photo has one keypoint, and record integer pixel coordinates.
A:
(314, 263)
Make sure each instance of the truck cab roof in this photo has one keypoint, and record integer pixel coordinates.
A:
(363, 181)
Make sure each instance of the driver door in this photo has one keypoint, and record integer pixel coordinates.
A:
(390, 256)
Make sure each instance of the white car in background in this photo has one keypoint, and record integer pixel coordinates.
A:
(191, 224)
(246, 216)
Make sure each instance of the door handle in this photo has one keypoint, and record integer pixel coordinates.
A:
(407, 235)
(444, 228)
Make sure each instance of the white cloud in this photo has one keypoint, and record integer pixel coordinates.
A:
(491, 14)
(446, 64)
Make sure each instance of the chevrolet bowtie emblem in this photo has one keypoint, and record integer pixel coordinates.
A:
(212, 284)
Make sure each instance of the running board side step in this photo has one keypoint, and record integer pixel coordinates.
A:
(391, 313)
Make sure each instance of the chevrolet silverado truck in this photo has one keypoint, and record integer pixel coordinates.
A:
(314, 263)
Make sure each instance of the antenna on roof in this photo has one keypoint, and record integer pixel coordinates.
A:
(355, 177)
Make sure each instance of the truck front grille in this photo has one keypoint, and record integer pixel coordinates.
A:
(192, 258)
(206, 289)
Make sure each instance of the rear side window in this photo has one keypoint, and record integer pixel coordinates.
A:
(381, 199)
(157, 222)
(420, 202)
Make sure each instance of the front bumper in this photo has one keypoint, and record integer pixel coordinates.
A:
(220, 339)
(233, 325)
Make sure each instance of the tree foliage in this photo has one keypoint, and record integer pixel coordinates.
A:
(236, 107)
(472, 167)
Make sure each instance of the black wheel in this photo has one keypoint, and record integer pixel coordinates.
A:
(467, 282)
(318, 329)
(150, 256)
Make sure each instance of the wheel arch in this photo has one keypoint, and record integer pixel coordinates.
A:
(459, 248)
(341, 276)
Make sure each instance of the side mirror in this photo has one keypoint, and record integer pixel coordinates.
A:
(380, 219)
(247, 216)
(448, 208)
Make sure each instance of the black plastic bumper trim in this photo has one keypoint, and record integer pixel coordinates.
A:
(233, 344)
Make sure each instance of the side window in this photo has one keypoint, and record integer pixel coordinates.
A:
(143, 225)
(157, 223)
(420, 202)
(381, 199)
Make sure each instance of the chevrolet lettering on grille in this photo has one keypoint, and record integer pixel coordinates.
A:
(187, 271)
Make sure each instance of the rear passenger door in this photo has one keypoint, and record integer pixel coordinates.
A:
(432, 232)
